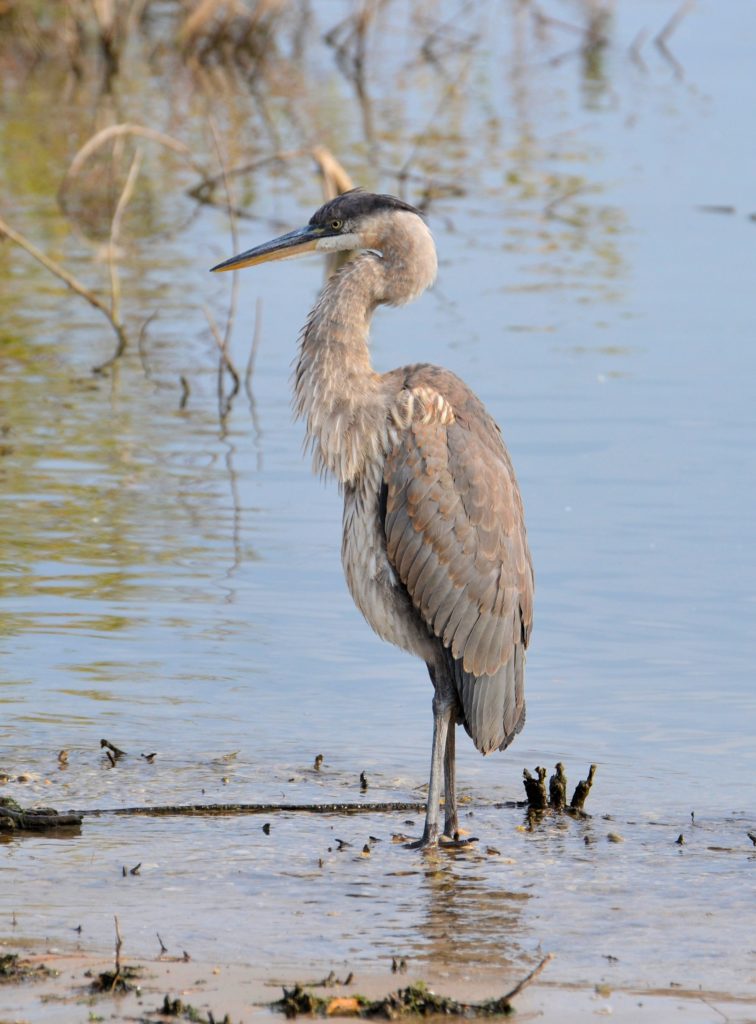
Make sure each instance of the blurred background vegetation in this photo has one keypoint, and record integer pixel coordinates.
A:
(142, 140)
(122, 118)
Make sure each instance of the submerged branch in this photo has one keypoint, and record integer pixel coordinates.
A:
(60, 272)
(115, 281)
(14, 818)
(211, 810)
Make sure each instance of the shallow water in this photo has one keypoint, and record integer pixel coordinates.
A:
(173, 584)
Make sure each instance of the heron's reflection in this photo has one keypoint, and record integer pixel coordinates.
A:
(472, 915)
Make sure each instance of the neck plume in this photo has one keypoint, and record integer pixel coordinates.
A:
(343, 401)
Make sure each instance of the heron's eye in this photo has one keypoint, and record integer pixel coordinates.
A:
(336, 225)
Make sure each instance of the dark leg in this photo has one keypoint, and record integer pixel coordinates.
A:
(451, 820)
(442, 713)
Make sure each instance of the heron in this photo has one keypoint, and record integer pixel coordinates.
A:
(434, 548)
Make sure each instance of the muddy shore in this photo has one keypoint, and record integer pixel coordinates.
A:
(214, 991)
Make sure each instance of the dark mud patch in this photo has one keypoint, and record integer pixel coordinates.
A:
(14, 970)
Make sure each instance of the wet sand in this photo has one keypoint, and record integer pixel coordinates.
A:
(632, 915)
(244, 992)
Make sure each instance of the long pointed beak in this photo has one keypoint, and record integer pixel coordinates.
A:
(294, 243)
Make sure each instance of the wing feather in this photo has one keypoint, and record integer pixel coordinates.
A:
(430, 596)
(414, 571)
(455, 535)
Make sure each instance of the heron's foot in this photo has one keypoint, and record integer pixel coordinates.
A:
(460, 841)
(428, 840)
(431, 840)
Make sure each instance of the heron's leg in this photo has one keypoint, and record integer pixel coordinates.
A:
(451, 820)
(442, 713)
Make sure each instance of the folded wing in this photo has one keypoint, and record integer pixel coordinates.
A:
(456, 537)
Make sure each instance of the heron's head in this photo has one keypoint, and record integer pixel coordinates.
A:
(355, 221)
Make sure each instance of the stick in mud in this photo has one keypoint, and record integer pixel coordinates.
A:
(118, 946)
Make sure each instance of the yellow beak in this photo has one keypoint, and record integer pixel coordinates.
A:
(285, 247)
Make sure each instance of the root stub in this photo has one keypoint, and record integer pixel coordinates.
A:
(556, 798)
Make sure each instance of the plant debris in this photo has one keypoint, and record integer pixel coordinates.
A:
(330, 980)
(177, 1008)
(14, 970)
(416, 1000)
(121, 979)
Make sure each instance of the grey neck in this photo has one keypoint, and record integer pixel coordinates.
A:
(343, 401)
(336, 390)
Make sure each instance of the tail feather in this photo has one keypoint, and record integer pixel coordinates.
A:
(493, 706)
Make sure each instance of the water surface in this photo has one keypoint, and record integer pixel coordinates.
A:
(171, 581)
